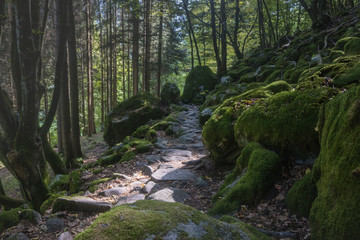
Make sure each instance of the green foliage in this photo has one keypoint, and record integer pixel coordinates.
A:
(251, 187)
(301, 196)
(335, 212)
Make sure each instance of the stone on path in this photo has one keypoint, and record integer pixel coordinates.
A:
(153, 158)
(55, 225)
(116, 191)
(173, 174)
(150, 187)
(18, 236)
(130, 199)
(65, 236)
(169, 195)
(80, 204)
(175, 155)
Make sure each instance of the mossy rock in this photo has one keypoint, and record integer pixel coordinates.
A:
(9, 218)
(128, 156)
(352, 47)
(218, 131)
(262, 170)
(108, 160)
(335, 212)
(278, 86)
(162, 220)
(59, 182)
(220, 94)
(248, 77)
(335, 54)
(340, 45)
(94, 184)
(170, 93)
(129, 115)
(285, 121)
(349, 77)
(206, 114)
(274, 76)
(200, 78)
(151, 136)
(301, 196)
(141, 131)
(47, 204)
(239, 71)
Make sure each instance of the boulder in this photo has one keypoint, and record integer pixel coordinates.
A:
(130, 114)
(169, 195)
(255, 173)
(163, 220)
(173, 174)
(335, 211)
(199, 79)
(54, 225)
(170, 93)
(80, 204)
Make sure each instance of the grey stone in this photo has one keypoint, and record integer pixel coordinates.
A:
(153, 158)
(169, 195)
(116, 191)
(55, 225)
(173, 158)
(165, 166)
(80, 204)
(147, 170)
(150, 187)
(159, 145)
(173, 174)
(201, 182)
(65, 236)
(130, 199)
(177, 152)
(31, 215)
(18, 236)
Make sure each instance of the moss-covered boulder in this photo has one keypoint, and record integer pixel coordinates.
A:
(199, 79)
(9, 218)
(218, 131)
(335, 213)
(129, 115)
(170, 93)
(285, 121)
(301, 196)
(254, 174)
(239, 71)
(352, 47)
(162, 220)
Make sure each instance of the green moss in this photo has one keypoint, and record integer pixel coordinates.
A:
(107, 160)
(218, 131)
(351, 76)
(128, 156)
(278, 86)
(97, 171)
(9, 218)
(268, 122)
(47, 204)
(239, 71)
(163, 125)
(141, 131)
(295, 75)
(159, 220)
(170, 93)
(143, 147)
(75, 178)
(248, 77)
(93, 186)
(151, 136)
(335, 212)
(59, 182)
(260, 176)
(340, 45)
(253, 85)
(217, 96)
(335, 54)
(276, 75)
(200, 78)
(129, 115)
(301, 196)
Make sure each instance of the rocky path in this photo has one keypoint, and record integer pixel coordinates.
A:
(178, 169)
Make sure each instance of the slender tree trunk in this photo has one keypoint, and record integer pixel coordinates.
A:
(90, 103)
(185, 2)
(236, 30)
(2, 17)
(74, 83)
(270, 22)
(128, 60)
(102, 66)
(135, 43)
(214, 38)
(123, 51)
(223, 38)
(114, 100)
(110, 56)
(160, 48)
(191, 48)
(147, 46)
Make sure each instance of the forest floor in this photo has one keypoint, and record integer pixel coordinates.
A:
(179, 169)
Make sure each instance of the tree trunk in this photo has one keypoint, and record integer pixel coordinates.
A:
(90, 102)
(236, 30)
(147, 46)
(114, 95)
(214, 37)
(185, 2)
(74, 83)
(223, 38)
(160, 48)
(135, 43)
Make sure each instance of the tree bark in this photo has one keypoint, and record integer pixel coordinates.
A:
(223, 38)
(135, 43)
(74, 83)
(185, 2)
(214, 37)
(147, 71)
(160, 48)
